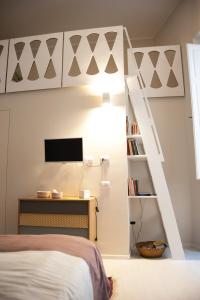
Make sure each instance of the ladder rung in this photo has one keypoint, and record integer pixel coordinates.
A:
(137, 157)
(134, 136)
(142, 197)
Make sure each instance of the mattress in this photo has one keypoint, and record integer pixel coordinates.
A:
(76, 247)
(45, 275)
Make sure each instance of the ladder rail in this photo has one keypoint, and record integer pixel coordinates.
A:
(144, 98)
(140, 105)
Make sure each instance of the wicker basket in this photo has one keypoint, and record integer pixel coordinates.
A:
(151, 249)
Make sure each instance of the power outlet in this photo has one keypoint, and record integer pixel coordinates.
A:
(105, 160)
(132, 222)
(89, 161)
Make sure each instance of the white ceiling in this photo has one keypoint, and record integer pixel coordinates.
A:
(143, 18)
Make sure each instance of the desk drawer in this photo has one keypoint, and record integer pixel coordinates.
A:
(54, 206)
(83, 232)
(53, 220)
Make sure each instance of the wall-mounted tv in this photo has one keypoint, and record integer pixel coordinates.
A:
(63, 150)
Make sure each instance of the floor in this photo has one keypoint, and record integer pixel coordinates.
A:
(155, 279)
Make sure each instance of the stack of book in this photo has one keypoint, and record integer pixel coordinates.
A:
(134, 191)
(135, 128)
(134, 147)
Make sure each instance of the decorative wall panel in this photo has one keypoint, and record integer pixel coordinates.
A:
(3, 64)
(35, 62)
(161, 70)
(91, 53)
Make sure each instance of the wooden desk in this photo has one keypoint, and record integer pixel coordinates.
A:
(70, 215)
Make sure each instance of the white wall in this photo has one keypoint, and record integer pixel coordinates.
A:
(62, 113)
(4, 131)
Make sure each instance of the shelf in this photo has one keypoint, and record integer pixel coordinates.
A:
(137, 157)
(134, 136)
(141, 197)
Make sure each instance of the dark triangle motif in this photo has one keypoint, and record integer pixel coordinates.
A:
(138, 58)
(74, 70)
(34, 47)
(50, 71)
(1, 49)
(17, 76)
(75, 41)
(93, 68)
(18, 49)
(172, 81)
(111, 66)
(155, 82)
(51, 44)
(33, 74)
(110, 38)
(92, 40)
(154, 55)
(170, 55)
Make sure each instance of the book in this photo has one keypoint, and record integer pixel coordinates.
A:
(135, 150)
(135, 184)
(131, 191)
(127, 125)
(132, 187)
(135, 128)
(130, 147)
(144, 194)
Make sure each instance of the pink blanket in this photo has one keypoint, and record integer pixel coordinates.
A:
(71, 245)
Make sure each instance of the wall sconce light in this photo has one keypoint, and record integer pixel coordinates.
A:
(105, 98)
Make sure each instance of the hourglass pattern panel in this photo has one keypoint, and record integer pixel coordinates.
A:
(35, 62)
(92, 54)
(3, 64)
(161, 70)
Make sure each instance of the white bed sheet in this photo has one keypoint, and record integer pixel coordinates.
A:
(45, 275)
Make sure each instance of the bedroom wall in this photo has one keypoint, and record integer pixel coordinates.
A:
(175, 127)
(69, 112)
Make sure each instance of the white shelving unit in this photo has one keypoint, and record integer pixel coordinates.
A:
(138, 106)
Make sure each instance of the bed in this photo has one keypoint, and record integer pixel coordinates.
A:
(51, 267)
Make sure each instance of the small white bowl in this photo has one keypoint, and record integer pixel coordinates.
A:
(43, 194)
(57, 195)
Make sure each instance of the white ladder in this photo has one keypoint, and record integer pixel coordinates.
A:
(153, 151)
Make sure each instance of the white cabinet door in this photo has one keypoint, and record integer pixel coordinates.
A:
(4, 128)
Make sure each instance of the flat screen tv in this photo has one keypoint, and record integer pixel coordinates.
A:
(63, 150)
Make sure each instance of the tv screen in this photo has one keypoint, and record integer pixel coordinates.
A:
(63, 150)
